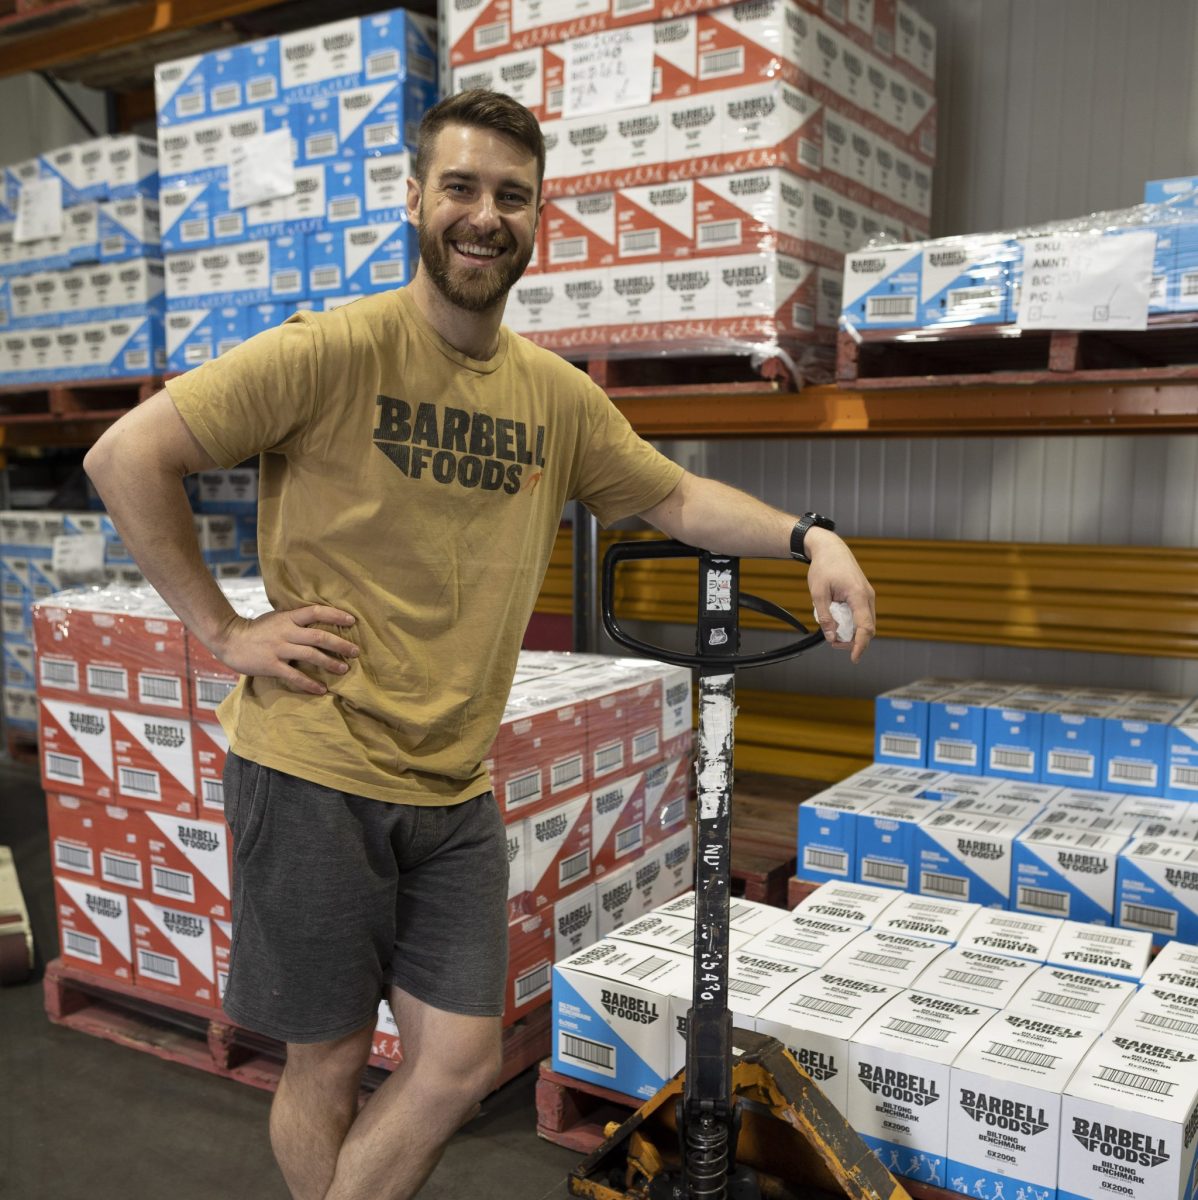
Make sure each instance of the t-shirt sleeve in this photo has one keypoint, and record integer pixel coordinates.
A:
(258, 396)
(618, 473)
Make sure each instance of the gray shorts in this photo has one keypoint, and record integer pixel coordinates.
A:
(335, 896)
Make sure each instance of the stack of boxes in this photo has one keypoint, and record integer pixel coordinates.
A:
(714, 215)
(245, 247)
(85, 303)
(996, 1055)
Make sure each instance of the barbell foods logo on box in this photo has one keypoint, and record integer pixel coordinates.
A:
(1123, 1145)
(999, 1112)
(904, 1087)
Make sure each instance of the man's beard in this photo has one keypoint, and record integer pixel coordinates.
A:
(478, 290)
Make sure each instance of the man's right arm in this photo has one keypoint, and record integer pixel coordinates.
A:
(138, 466)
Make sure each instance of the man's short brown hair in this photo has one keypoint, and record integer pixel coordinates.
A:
(485, 110)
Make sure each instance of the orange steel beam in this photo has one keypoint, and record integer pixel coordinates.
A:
(84, 33)
(915, 412)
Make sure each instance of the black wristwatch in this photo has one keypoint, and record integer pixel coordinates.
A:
(799, 533)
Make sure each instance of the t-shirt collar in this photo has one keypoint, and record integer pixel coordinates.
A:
(483, 366)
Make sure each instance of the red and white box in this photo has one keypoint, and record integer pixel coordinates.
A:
(539, 755)
(678, 866)
(140, 664)
(222, 944)
(76, 749)
(210, 749)
(101, 842)
(763, 296)
(72, 822)
(558, 850)
(59, 653)
(662, 720)
(189, 864)
(530, 964)
(153, 763)
(656, 222)
(640, 145)
(173, 953)
(914, 45)
(848, 159)
(518, 900)
(635, 302)
(746, 43)
(385, 1043)
(617, 900)
(210, 680)
(667, 788)
(121, 844)
(520, 74)
(869, 24)
(580, 232)
(583, 296)
(551, 17)
(93, 926)
(575, 922)
(617, 823)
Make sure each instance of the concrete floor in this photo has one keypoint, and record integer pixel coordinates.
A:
(83, 1119)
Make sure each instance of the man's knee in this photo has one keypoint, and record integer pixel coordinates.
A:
(329, 1063)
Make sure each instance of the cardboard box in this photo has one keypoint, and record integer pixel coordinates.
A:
(894, 958)
(956, 725)
(173, 953)
(580, 231)
(927, 917)
(189, 864)
(1155, 884)
(1005, 1103)
(855, 903)
(1119, 953)
(211, 748)
(1125, 1117)
(1066, 872)
(611, 1015)
(827, 842)
(575, 922)
(891, 780)
(1056, 993)
(1134, 745)
(975, 976)
(1175, 965)
(75, 746)
(530, 964)
(677, 873)
(746, 915)
(666, 788)
(617, 823)
(1072, 743)
(1013, 934)
(887, 841)
(965, 857)
(900, 1079)
(558, 850)
(94, 928)
(901, 724)
(808, 941)
(153, 762)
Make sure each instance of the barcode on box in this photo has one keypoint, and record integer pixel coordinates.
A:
(196, 353)
(745, 987)
(523, 789)
(1142, 916)
(65, 768)
(81, 945)
(59, 673)
(645, 744)
(914, 1029)
(640, 241)
(286, 283)
(384, 63)
(1172, 1024)
(178, 884)
(1061, 762)
(345, 208)
(190, 104)
(160, 689)
(226, 96)
(971, 980)
(609, 758)
(629, 839)
(387, 272)
(574, 867)
(71, 857)
(1139, 1083)
(566, 773)
(210, 692)
(568, 250)
(116, 869)
(1183, 777)
(385, 133)
(320, 145)
(932, 883)
(883, 872)
(794, 943)
(719, 233)
(195, 230)
(1011, 758)
(952, 751)
(158, 966)
(1102, 939)
(137, 360)
(212, 793)
(1043, 900)
(495, 34)
(646, 968)
(145, 785)
(816, 1004)
(802, 316)
(533, 983)
(1141, 774)
(890, 308)
(673, 812)
(112, 245)
(891, 962)
(326, 277)
(1020, 1054)
(976, 302)
(717, 63)
(261, 90)
(1072, 1003)
(832, 862)
(595, 1056)
(902, 745)
(229, 225)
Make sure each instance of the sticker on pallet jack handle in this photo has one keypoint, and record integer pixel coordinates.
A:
(716, 713)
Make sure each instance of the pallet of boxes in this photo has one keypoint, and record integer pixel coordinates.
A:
(709, 165)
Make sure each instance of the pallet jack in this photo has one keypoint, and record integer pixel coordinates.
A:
(742, 1121)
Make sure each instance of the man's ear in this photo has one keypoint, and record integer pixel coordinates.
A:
(414, 194)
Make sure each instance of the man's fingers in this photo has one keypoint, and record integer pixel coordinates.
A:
(297, 681)
(321, 614)
(322, 639)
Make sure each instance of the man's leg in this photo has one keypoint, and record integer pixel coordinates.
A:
(314, 1107)
(450, 1062)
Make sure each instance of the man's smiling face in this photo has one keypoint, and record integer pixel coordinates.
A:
(476, 215)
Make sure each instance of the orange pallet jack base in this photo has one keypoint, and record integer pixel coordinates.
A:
(198, 1037)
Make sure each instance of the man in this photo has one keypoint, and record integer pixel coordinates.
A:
(415, 460)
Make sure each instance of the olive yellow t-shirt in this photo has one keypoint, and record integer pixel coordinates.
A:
(420, 490)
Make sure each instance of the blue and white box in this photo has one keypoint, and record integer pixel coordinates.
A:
(1006, 1089)
(190, 338)
(181, 89)
(1181, 756)
(132, 166)
(128, 229)
(610, 1005)
(1014, 736)
(964, 857)
(886, 839)
(261, 71)
(964, 281)
(1072, 743)
(260, 317)
(19, 669)
(321, 61)
(1067, 872)
(882, 287)
(80, 232)
(361, 122)
(188, 208)
(957, 727)
(63, 164)
(1183, 288)
(1118, 953)
(1134, 744)
(1160, 191)
(126, 290)
(1157, 889)
(828, 833)
(901, 723)
(360, 259)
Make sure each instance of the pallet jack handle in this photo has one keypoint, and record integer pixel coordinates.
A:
(708, 1119)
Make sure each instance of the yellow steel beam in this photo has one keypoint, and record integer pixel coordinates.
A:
(1087, 598)
(85, 33)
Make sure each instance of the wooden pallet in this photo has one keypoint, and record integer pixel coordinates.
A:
(198, 1037)
(761, 869)
(988, 354)
(573, 1113)
(797, 890)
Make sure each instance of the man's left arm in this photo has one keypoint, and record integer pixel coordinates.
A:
(719, 518)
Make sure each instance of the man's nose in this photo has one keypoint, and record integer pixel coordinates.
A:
(485, 217)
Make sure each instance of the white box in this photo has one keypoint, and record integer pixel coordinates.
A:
(611, 1015)
(855, 903)
(816, 1018)
(1119, 953)
(975, 976)
(893, 958)
(1014, 934)
(746, 915)
(899, 1080)
(677, 873)
(1157, 1010)
(1176, 964)
(927, 917)
(808, 941)
(1057, 993)
(1128, 1120)
(1005, 1104)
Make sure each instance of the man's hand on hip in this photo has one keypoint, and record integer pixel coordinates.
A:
(278, 643)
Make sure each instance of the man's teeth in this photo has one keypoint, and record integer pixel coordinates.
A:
(483, 251)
